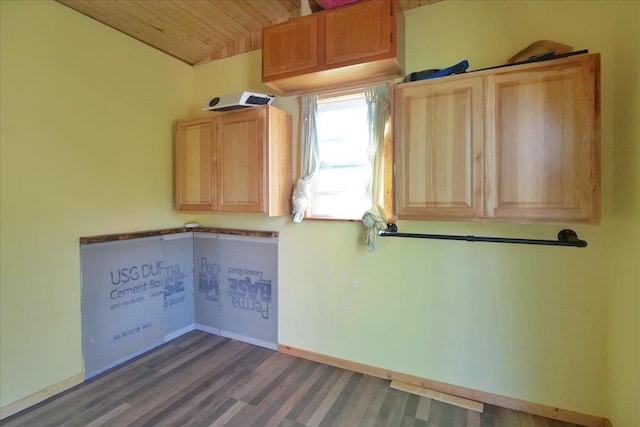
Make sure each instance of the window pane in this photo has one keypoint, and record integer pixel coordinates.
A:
(334, 206)
(341, 185)
(351, 179)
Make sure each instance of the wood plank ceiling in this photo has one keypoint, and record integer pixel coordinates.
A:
(197, 31)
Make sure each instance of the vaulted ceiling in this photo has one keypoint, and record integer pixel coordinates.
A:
(198, 31)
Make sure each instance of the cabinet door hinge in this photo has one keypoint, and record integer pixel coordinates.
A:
(391, 38)
(391, 9)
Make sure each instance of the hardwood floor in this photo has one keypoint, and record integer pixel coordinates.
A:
(204, 380)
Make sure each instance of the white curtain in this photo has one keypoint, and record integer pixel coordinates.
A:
(375, 219)
(310, 156)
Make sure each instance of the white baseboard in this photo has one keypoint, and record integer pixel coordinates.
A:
(179, 332)
(249, 340)
(122, 360)
(209, 329)
(234, 336)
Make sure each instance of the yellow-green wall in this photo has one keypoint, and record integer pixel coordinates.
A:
(622, 389)
(86, 149)
(86, 137)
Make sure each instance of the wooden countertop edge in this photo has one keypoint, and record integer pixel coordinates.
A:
(86, 240)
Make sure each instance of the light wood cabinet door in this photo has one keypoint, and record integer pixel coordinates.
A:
(193, 165)
(357, 34)
(542, 146)
(240, 169)
(438, 150)
(293, 47)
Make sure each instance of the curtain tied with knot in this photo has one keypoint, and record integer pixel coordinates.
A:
(310, 156)
(375, 219)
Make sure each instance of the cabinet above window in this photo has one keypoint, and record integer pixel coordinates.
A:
(346, 46)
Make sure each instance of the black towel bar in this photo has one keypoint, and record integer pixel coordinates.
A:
(566, 237)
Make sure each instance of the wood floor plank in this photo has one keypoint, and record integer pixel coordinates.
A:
(439, 414)
(435, 395)
(380, 390)
(526, 420)
(422, 411)
(329, 399)
(357, 403)
(270, 407)
(211, 416)
(229, 414)
(141, 392)
(242, 391)
(411, 407)
(296, 397)
(486, 418)
(196, 406)
(397, 411)
(278, 381)
(459, 417)
(190, 354)
(244, 417)
(290, 423)
(386, 407)
(268, 401)
(203, 396)
(406, 421)
(473, 419)
(506, 417)
(314, 396)
(278, 366)
(189, 385)
(146, 402)
(186, 340)
(203, 380)
(184, 347)
(338, 405)
(108, 416)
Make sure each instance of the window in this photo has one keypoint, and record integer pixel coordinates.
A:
(340, 187)
(337, 179)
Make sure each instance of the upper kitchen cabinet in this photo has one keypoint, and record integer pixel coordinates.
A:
(291, 48)
(235, 162)
(345, 46)
(543, 141)
(511, 144)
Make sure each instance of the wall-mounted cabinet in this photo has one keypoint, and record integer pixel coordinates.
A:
(345, 46)
(235, 162)
(292, 48)
(512, 144)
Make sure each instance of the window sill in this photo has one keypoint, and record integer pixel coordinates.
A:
(309, 218)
